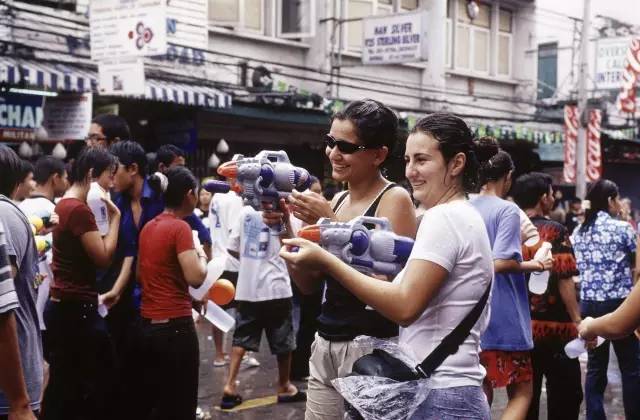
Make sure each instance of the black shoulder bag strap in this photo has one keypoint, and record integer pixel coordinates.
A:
(449, 345)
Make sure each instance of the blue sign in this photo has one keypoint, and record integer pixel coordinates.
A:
(20, 115)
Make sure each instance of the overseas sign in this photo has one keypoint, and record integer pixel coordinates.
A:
(394, 39)
(610, 54)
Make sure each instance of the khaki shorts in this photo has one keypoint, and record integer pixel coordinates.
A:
(329, 360)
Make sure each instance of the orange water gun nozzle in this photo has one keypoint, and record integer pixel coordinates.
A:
(311, 233)
(228, 169)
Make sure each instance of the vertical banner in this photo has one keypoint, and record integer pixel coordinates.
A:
(570, 142)
(627, 97)
(594, 153)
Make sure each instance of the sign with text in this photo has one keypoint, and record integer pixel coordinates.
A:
(394, 38)
(124, 76)
(20, 115)
(610, 55)
(67, 116)
(120, 28)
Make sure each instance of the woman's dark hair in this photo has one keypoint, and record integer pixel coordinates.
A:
(113, 127)
(9, 170)
(494, 162)
(376, 124)
(180, 181)
(46, 167)
(96, 158)
(529, 188)
(130, 152)
(453, 136)
(598, 196)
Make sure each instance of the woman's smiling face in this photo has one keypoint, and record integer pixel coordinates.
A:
(425, 168)
(350, 166)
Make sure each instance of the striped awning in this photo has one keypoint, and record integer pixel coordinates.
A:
(62, 77)
(53, 77)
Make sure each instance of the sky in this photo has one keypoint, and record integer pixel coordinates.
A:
(624, 10)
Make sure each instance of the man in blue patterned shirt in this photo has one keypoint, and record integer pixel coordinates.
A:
(605, 250)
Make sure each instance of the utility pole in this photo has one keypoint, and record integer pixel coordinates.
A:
(581, 149)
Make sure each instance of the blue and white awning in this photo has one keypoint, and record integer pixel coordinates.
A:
(54, 77)
(61, 77)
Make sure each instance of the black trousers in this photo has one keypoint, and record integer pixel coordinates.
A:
(564, 389)
(170, 370)
(310, 307)
(81, 358)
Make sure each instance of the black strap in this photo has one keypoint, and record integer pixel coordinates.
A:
(371, 211)
(340, 200)
(449, 345)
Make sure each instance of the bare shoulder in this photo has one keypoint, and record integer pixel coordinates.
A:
(396, 205)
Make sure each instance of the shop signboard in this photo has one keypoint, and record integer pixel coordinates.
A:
(187, 23)
(20, 115)
(397, 38)
(124, 76)
(121, 28)
(67, 116)
(609, 63)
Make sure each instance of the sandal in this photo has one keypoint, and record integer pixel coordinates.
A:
(230, 401)
(299, 396)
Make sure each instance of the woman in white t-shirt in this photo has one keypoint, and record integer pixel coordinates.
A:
(449, 269)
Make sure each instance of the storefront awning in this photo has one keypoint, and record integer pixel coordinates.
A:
(62, 77)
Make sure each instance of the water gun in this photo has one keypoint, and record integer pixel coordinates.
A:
(265, 178)
(214, 186)
(370, 251)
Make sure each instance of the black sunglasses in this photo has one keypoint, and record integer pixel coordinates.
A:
(343, 146)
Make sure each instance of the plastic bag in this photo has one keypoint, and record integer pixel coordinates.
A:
(378, 398)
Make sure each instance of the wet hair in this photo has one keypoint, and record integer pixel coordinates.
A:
(529, 188)
(25, 169)
(130, 152)
(47, 166)
(178, 181)
(167, 154)
(494, 162)
(114, 127)
(376, 124)
(10, 165)
(453, 136)
(90, 158)
(598, 196)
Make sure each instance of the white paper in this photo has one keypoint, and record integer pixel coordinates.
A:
(218, 317)
(575, 348)
(214, 271)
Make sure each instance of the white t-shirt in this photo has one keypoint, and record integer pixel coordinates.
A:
(263, 274)
(452, 235)
(41, 207)
(224, 213)
(37, 206)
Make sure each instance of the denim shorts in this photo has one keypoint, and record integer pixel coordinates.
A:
(457, 403)
(274, 317)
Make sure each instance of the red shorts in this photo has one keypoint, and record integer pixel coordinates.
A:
(506, 367)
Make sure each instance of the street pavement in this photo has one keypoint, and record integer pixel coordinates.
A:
(257, 386)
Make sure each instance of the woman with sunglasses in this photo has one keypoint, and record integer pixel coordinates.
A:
(449, 270)
(359, 141)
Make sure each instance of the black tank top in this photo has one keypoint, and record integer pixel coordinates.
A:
(344, 316)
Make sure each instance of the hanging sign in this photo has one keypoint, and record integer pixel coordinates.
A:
(67, 116)
(394, 39)
(120, 28)
(123, 76)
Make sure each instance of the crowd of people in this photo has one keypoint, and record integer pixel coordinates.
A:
(96, 318)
